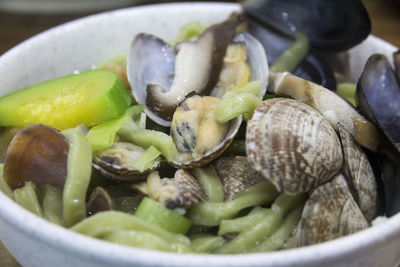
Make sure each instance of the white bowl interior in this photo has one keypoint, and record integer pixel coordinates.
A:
(80, 45)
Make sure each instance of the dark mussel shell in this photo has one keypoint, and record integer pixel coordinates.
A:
(332, 25)
(312, 67)
(396, 61)
(378, 96)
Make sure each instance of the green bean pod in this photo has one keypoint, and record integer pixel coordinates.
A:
(146, 240)
(211, 183)
(289, 60)
(52, 203)
(240, 224)
(79, 170)
(27, 197)
(103, 223)
(278, 239)
(212, 213)
(207, 244)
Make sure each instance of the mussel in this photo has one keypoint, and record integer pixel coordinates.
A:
(330, 25)
(378, 95)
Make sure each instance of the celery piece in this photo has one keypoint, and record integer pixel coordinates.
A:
(79, 169)
(252, 87)
(103, 135)
(233, 105)
(163, 142)
(210, 181)
(27, 197)
(289, 60)
(4, 187)
(347, 91)
(189, 30)
(156, 213)
(147, 159)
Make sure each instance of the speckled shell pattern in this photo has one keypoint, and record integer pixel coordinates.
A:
(292, 145)
(359, 173)
(330, 212)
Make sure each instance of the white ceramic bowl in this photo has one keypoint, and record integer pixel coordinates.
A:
(80, 44)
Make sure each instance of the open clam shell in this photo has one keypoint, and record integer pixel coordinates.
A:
(116, 163)
(292, 145)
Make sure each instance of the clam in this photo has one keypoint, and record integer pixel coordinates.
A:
(117, 162)
(396, 61)
(359, 173)
(37, 153)
(292, 145)
(161, 79)
(192, 126)
(378, 95)
(330, 212)
(181, 191)
(236, 175)
(99, 200)
(330, 25)
(330, 105)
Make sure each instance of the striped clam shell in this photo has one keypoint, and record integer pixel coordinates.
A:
(292, 145)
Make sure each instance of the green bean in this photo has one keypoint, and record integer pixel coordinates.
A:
(4, 187)
(289, 60)
(211, 183)
(347, 91)
(189, 30)
(278, 239)
(212, 213)
(240, 224)
(257, 231)
(27, 197)
(103, 223)
(144, 240)
(79, 169)
(52, 203)
(206, 244)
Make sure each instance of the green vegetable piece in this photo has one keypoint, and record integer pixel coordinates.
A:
(211, 183)
(163, 142)
(147, 159)
(156, 213)
(90, 97)
(235, 104)
(128, 204)
(79, 168)
(206, 244)
(212, 213)
(252, 87)
(263, 228)
(240, 224)
(278, 239)
(103, 135)
(289, 60)
(27, 197)
(105, 222)
(146, 240)
(189, 30)
(347, 91)
(52, 203)
(4, 187)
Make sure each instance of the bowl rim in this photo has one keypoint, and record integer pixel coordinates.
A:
(56, 236)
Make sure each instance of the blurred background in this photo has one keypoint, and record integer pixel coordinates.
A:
(21, 19)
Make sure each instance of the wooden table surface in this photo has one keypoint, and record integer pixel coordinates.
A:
(15, 28)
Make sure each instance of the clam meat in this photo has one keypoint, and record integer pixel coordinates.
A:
(292, 145)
